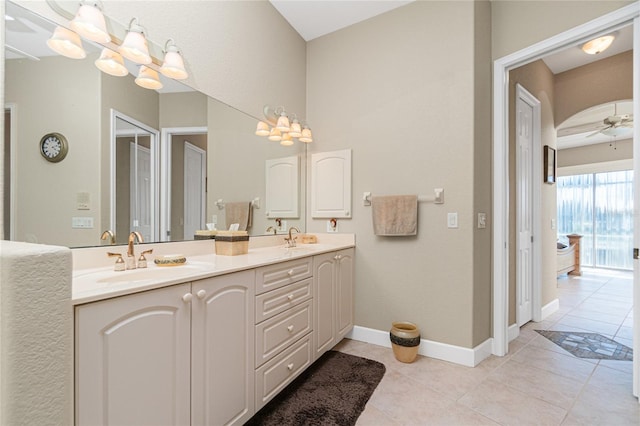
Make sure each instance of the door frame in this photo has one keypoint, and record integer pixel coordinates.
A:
(203, 182)
(166, 135)
(536, 198)
(13, 170)
(500, 245)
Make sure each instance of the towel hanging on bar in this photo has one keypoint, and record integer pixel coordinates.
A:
(239, 212)
(394, 215)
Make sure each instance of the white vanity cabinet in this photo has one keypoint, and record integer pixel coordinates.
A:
(333, 298)
(175, 356)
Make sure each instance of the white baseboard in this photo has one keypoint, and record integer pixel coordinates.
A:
(550, 308)
(513, 332)
(456, 354)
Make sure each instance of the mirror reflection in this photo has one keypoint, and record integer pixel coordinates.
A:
(181, 156)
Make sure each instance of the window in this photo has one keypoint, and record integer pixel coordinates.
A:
(599, 206)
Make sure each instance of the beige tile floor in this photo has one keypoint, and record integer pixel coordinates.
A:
(536, 383)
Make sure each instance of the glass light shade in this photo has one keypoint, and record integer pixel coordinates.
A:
(306, 136)
(66, 43)
(287, 140)
(148, 78)
(598, 45)
(275, 135)
(262, 129)
(616, 131)
(89, 23)
(134, 47)
(173, 65)
(283, 123)
(295, 131)
(111, 63)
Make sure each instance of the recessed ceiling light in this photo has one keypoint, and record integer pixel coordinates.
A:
(598, 45)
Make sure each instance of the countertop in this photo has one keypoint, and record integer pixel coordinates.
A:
(91, 284)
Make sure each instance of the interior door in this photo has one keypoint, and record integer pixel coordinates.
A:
(195, 166)
(524, 213)
(140, 201)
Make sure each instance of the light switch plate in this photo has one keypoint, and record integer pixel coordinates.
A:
(482, 220)
(81, 222)
(452, 220)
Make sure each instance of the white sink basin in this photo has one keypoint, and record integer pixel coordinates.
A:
(152, 273)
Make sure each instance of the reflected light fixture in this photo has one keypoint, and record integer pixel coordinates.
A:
(89, 23)
(597, 45)
(66, 43)
(134, 47)
(111, 63)
(148, 78)
(262, 129)
(287, 140)
(173, 64)
(283, 127)
(275, 135)
(616, 131)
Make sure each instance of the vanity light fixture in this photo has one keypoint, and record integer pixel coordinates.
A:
(598, 45)
(134, 47)
(89, 23)
(148, 78)
(173, 64)
(66, 43)
(111, 63)
(284, 126)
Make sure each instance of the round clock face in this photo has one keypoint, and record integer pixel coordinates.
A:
(53, 147)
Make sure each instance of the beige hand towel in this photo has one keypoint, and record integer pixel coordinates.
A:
(239, 212)
(395, 215)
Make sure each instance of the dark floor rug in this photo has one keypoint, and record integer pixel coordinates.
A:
(589, 345)
(333, 391)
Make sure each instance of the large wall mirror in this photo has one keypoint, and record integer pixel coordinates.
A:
(163, 162)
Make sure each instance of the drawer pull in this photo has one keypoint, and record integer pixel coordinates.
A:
(290, 297)
(201, 294)
(187, 297)
(290, 329)
(290, 272)
(290, 367)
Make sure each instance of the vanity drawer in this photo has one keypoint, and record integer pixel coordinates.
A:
(277, 301)
(275, 334)
(272, 377)
(275, 276)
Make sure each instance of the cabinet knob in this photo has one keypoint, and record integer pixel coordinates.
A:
(187, 297)
(290, 328)
(290, 297)
(290, 272)
(336, 257)
(201, 294)
(290, 366)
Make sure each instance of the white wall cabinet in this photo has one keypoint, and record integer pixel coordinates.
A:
(331, 184)
(282, 192)
(333, 298)
(175, 356)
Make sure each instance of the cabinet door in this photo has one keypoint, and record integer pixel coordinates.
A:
(344, 293)
(324, 306)
(223, 349)
(331, 184)
(132, 359)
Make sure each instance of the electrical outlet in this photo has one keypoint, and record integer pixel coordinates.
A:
(332, 226)
(283, 226)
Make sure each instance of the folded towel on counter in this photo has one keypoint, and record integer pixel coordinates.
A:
(240, 212)
(395, 215)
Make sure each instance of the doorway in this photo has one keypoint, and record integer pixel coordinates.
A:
(501, 247)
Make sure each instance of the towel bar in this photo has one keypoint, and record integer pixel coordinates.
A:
(437, 198)
(255, 203)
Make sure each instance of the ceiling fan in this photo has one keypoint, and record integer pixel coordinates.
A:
(615, 125)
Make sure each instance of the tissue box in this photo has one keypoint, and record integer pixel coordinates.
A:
(232, 243)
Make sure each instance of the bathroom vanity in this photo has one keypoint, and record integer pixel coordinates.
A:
(209, 342)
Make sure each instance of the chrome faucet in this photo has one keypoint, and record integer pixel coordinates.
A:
(291, 241)
(271, 228)
(131, 260)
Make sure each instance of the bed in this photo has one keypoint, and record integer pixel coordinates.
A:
(569, 256)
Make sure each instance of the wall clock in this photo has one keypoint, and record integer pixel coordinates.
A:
(54, 147)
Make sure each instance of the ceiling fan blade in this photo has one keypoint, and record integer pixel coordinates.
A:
(597, 132)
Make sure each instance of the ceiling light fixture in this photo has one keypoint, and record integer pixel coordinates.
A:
(598, 45)
(616, 131)
(66, 43)
(89, 23)
(111, 63)
(284, 127)
(148, 78)
(134, 47)
(173, 64)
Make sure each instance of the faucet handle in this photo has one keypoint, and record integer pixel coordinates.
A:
(142, 260)
(120, 265)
